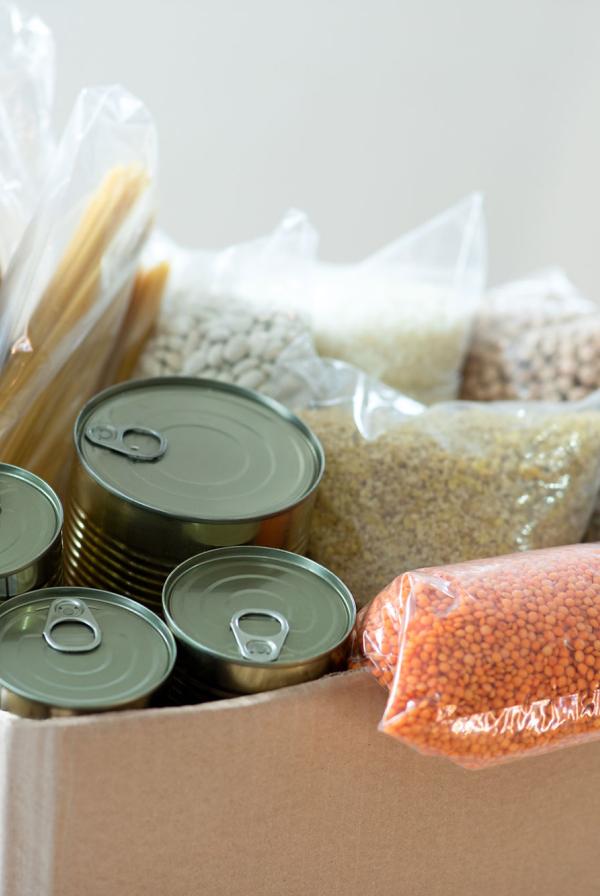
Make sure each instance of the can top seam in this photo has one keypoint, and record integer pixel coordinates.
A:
(45, 594)
(281, 410)
(48, 492)
(298, 560)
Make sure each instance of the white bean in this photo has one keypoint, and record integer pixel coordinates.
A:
(243, 366)
(215, 355)
(251, 380)
(240, 323)
(217, 333)
(196, 362)
(257, 342)
(272, 350)
(236, 349)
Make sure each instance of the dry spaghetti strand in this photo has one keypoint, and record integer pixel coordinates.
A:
(139, 322)
(42, 389)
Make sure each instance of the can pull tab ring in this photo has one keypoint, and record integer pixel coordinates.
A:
(259, 648)
(106, 435)
(74, 611)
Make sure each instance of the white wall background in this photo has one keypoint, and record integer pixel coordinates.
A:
(371, 115)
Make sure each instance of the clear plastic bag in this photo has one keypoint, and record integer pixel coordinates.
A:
(407, 486)
(535, 338)
(26, 138)
(68, 285)
(221, 316)
(404, 314)
(490, 660)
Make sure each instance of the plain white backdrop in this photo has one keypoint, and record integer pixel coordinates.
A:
(370, 115)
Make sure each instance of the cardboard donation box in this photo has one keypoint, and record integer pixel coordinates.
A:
(290, 793)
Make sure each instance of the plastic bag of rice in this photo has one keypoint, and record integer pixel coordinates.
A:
(404, 314)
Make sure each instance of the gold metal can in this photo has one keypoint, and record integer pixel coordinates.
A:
(173, 466)
(31, 521)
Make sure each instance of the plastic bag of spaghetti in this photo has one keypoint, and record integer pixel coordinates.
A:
(223, 315)
(404, 314)
(407, 486)
(490, 660)
(536, 338)
(26, 137)
(68, 285)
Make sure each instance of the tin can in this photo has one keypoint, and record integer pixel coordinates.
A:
(73, 651)
(172, 466)
(31, 521)
(251, 619)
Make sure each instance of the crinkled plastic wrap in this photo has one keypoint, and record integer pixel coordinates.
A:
(26, 138)
(490, 660)
(404, 314)
(407, 486)
(225, 314)
(535, 338)
(69, 283)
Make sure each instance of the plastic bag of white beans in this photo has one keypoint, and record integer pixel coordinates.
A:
(225, 314)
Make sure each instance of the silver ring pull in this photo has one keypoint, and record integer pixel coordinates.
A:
(74, 611)
(106, 435)
(259, 648)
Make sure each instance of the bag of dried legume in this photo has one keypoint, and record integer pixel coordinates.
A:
(223, 315)
(536, 338)
(490, 660)
(407, 486)
(404, 314)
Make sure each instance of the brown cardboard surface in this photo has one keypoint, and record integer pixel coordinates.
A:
(288, 793)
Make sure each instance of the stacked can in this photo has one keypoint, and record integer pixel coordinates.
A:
(253, 619)
(173, 466)
(31, 520)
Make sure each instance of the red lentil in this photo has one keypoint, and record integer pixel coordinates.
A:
(490, 660)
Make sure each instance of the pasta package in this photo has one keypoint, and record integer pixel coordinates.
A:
(139, 322)
(407, 486)
(490, 660)
(69, 284)
(27, 143)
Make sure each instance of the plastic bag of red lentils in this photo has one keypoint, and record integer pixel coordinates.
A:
(490, 660)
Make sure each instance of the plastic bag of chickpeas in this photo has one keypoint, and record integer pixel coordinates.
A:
(490, 660)
(537, 339)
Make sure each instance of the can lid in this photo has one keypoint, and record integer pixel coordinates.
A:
(198, 449)
(231, 602)
(81, 648)
(30, 518)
